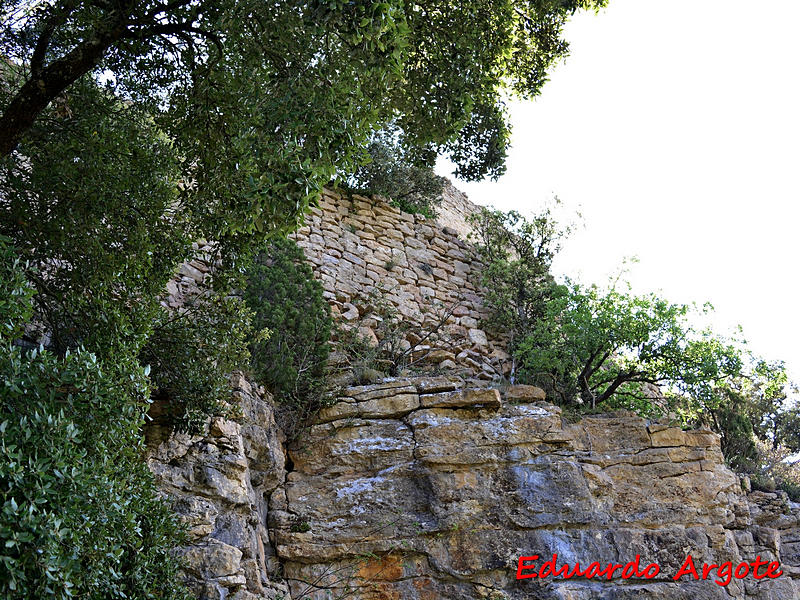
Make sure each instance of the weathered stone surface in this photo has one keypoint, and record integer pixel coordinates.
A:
(431, 488)
(446, 498)
(220, 483)
(424, 266)
(479, 398)
(524, 393)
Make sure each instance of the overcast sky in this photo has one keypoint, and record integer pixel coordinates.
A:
(675, 127)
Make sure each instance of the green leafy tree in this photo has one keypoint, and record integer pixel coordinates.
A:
(516, 254)
(770, 407)
(758, 420)
(583, 344)
(391, 173)
(79, 515)
(757, 406)
(602, 347)
(287, 302)
(93, 208)
(192, 351)
(267, 101)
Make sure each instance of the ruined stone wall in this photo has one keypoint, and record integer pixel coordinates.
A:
(425, 488)
(424, 269)
(432, 488)
(357, 244)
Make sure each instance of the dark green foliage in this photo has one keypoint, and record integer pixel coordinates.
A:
(737, 441)
(391, 173)
(792, 490)
(754, 407)
(79, 515)
(291, 359)
(481, 147)
(15, 293)
(517, 254)
(759, 421)
(93, 210)
(267, 101)
(192, 351)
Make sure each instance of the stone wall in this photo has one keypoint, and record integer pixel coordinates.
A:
(432, 488)
(356, 244)
(425, 269)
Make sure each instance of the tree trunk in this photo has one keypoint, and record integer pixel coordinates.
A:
(38, 92)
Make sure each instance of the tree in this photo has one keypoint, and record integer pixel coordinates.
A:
(599, 346)
(287, 302)
(611, 349)
(756, 405)
(758, 419)
(284, 95)
(392, 174)
(516, 253)
(95, 212)
(79, 514)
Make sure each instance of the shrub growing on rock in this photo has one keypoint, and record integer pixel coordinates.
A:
(79, 514)
(286, 301)
(392, 172)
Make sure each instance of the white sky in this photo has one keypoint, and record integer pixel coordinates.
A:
(675, 127)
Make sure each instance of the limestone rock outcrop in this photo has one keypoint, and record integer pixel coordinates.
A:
(220, 483)
(433, 487)
(423, 488)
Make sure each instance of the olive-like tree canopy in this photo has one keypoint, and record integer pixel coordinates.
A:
(267, 101)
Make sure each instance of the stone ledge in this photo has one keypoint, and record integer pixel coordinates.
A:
(475, 397)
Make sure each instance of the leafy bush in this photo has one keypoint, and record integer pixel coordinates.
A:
(286, 300)
(192, 352)
(92, 209)
(16, 293)
(79, 513)
(105, 227)
(393, 173)
(605, 346)
(516, 253)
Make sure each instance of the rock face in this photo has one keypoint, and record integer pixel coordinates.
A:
(432, 488)
(220, 484)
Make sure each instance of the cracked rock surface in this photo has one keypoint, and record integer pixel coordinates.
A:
(426, 488)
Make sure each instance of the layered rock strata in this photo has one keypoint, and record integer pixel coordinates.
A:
(432, 488)
(220, 483)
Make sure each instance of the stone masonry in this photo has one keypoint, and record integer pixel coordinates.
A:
(357, 244)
